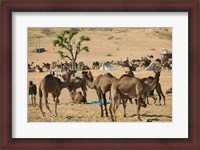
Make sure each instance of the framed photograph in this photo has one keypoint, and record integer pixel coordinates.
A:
(100, 74)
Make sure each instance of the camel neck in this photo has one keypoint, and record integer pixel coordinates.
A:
(89, 83)
(64, 84)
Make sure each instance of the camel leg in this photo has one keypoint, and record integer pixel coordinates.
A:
(124, 105)
(112, 113)
(46, 102)
(138, 108)
(84, 91)
(117, 103)
(53, 97)
(56, 103)
(105, 105)
(136, 101)
(130, 99)
(159, 91)
(147, 99)
(40, 106)
(100, 101)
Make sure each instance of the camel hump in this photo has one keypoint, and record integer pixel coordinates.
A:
(125, 75)
(108, 75)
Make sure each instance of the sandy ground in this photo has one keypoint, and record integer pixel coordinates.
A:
(133, 43)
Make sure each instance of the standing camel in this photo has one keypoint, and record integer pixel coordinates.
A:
(102, 85)
(129, 86)
(149, 80)
(54, 85)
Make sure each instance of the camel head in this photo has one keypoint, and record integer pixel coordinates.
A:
(85, 73)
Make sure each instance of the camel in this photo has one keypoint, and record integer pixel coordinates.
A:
(38, 68)
(76, 83)
(102, 85)
(166, 65)
(54, 85)
(29, 67)
(95, 65)
(130, 87)
(47, 66)
(78, 97)
(149, 80)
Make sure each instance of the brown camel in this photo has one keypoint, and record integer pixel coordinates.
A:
(54, 85)
(130, 87)
(78, 97)
(47, 66)
(95, 65)
(30, 69)
(76, 83)
(149, 80)
(102, 85)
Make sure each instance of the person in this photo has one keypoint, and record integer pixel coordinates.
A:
(32, 92)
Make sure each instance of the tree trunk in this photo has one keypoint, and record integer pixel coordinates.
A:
(73, 67)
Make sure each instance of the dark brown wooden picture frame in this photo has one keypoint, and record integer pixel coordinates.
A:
(9, 6)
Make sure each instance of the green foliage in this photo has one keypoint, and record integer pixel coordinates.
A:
(84, 38)
(85, 49)
(64, 40)
(61, 53)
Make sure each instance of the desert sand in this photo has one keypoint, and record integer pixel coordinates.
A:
(127, 42)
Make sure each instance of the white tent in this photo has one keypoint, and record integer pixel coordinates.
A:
(152, 66)
(106, 66)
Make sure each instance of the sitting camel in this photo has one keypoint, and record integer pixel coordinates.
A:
(78, 97)
(76, 83)
(30, 69)
(52, 84)
(131, 87)
(47, 66)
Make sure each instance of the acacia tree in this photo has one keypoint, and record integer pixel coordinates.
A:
(66, 40)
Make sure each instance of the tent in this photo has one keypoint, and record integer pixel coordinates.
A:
(152, 66)
(39, 50)
(106, 66)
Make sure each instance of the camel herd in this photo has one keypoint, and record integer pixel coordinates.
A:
(163, 63)
(120, 90)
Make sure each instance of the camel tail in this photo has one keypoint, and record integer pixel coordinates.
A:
(40, 102)
(40, 91)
